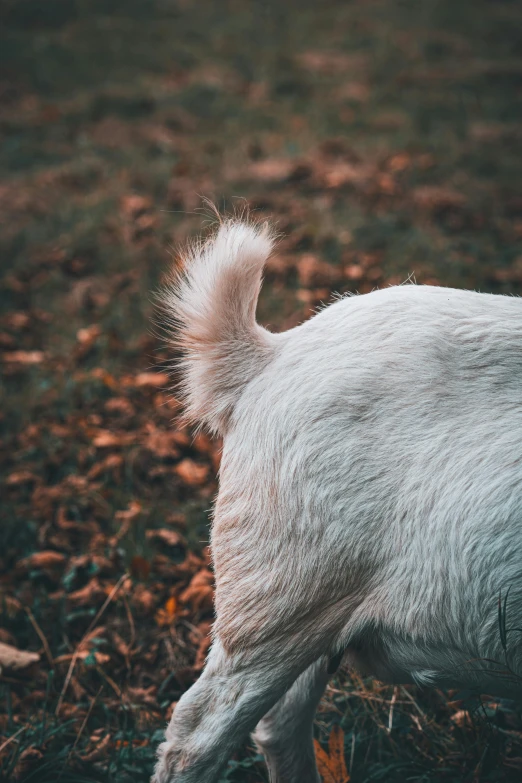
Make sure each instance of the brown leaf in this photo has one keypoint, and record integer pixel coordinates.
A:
(121, 406)
(126, 518)
(203, 646)
(88, 335)
(399, 162)
(24, 357)
(145, 696)
(332, 765)
(134, 205)
(436, 198)
(200, 592)
(202, 443)
(143, 599)
(111, 462)
(13, 659)
(353, 272)
(104, 439)
(272, 169)
(98, 752)
(332, 62)
(139, 568)
(342, 174)
(47, 559)
(160, 442)
(463, 719)
(26, 762)
(21, 477)
(102, 375)
(91, 593)
(191, 473)
(313, 271)
(120, 645)
(87, 527)
(167, 615)
(152, 380)
(166, 536)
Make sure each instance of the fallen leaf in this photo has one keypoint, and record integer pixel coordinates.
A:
(160, 442)
(332, 62)
(21, 477)
(152, 380)
(203, 646)
(143, 599)
(203, 443)
(170, 710)
(200, 592)
(24, 357)
(120, 645)
(345, 174)
(104, 439)
(139, 568)
(463, 719)
(18, 320)
(313, 271)
(332, 765)
(272, 169)
(91, 593)
(126, 518)
(353, 272)
(399, 162)
(434, 198)
(111, 462)
(167, 615)
(13, 659)
(145, 696)
(98, 752)
(102, 375)
(25, 762)
(88, 335)
(134, 205)
(169, 537)
(47, 559)
(191, 473)
(182, 437)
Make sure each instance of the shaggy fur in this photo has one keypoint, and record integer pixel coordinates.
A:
(370, 500)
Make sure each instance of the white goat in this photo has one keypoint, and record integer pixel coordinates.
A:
(370, 501)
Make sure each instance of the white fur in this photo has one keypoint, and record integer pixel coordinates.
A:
(370, 500)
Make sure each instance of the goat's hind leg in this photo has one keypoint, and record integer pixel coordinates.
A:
(227, 702)
(285, 734)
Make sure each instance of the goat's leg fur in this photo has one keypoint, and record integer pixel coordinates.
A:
(218, 712)
(285, 735)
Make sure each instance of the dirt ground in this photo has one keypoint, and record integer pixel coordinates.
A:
(383, 139)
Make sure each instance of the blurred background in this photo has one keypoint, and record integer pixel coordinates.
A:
(383, 139)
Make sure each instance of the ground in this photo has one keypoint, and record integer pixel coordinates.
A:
(383, 139)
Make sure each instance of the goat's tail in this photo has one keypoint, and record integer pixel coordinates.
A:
(211, 306)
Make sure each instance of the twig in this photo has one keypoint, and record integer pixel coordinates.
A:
(87, 632)
(130, 618)
(352, 752)
(41, 635)
(410, 697)
(109, 680)
(390, 714)
(84, 723)
(12, 738)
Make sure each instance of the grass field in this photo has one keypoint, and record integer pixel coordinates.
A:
(383, 138)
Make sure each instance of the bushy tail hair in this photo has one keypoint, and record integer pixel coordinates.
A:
(211, 306)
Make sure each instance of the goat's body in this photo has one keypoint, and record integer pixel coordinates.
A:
(371, 501)
(380, 455)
